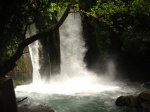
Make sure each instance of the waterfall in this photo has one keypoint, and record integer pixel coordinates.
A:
(72, 46)
(34, 54)
(74, 77)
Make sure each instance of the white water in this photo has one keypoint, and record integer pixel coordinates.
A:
(74, 78)
(72, 47)
(34, 53)
(101, 102)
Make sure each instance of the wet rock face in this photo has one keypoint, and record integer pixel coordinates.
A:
(140, 103)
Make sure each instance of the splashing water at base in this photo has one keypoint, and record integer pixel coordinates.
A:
(103, 101)
(71, 86)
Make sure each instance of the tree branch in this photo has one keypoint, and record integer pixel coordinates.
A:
(11, 63)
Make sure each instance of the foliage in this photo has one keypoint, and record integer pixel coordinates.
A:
(137, 35)
(120, 23)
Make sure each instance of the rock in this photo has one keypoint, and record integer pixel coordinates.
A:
(129, 101)
(145, 95)
(140, 103)
(144, 99)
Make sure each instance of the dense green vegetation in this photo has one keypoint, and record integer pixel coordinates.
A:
(113, 28)
(124, 21)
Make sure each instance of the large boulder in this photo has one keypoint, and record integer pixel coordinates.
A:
(140, 103)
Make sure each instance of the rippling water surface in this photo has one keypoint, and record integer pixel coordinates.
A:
(103, 101)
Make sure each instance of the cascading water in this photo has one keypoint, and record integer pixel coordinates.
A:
(76, 89)
(33, 49)
(74, 78)
(72, 46)
(73, 69)
(34, 53)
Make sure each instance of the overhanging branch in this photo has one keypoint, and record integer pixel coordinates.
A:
(10, 64)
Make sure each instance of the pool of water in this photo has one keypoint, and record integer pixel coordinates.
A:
(102, 101)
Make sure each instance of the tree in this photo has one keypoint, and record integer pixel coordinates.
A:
(6, 12)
